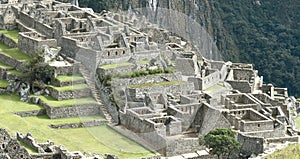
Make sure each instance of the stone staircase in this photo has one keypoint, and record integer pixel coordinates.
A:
(90, 80)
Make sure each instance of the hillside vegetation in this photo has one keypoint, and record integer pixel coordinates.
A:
(265, 33)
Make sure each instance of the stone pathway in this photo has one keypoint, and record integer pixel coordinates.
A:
(90, 80)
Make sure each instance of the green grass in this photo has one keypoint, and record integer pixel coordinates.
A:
(297, 121)
(290, 152)
(16, 54)
(69, 88)
(69, 102)
(3, 83)
(3, 47)
(13, 34)
(146, 85)
(15, 72)
(117, 65)
(12, 103)
(99, 140)
(69, 78)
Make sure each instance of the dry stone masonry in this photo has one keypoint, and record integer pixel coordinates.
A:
(158, 92)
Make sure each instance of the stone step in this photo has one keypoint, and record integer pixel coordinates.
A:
(95, 92)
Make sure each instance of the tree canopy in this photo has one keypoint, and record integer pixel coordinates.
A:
(221, 142)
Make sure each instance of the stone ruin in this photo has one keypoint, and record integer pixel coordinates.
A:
(166, 111)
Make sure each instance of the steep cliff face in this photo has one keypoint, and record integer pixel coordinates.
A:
(263, 32)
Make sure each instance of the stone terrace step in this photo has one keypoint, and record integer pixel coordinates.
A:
(3, 70)
(69, 92)
(61, 81)
(69, 108)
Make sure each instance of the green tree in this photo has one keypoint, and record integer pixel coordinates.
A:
(221, 142)
(38, 71)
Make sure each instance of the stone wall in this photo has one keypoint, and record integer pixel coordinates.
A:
(3, 73)
(9, 60)
(243, 74)
(10, 147)
(207, 81)
(182, 145)
(26, 19)
(209, 118)
(31, 113)
(70, 94)
(242, 86)
(58, 83)
(29, 141)
(78, 125)
(185, 66)
(70, 47)
(7, 41)
(89, 58)
(67, 70)
(250, 145)
(111, 107)
(44, 29)
(187, 113)
(32, 43)
(71, 111)
(284, 139)
(247, 126)
(175, 89)
(147, 79)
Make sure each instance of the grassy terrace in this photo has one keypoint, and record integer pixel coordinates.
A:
(72, 87)
(13, 34)
(117, 65)
(3, 83)
(146, 85)
(100, 139)
(15, 53)
(69, 78)
(69, 102)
